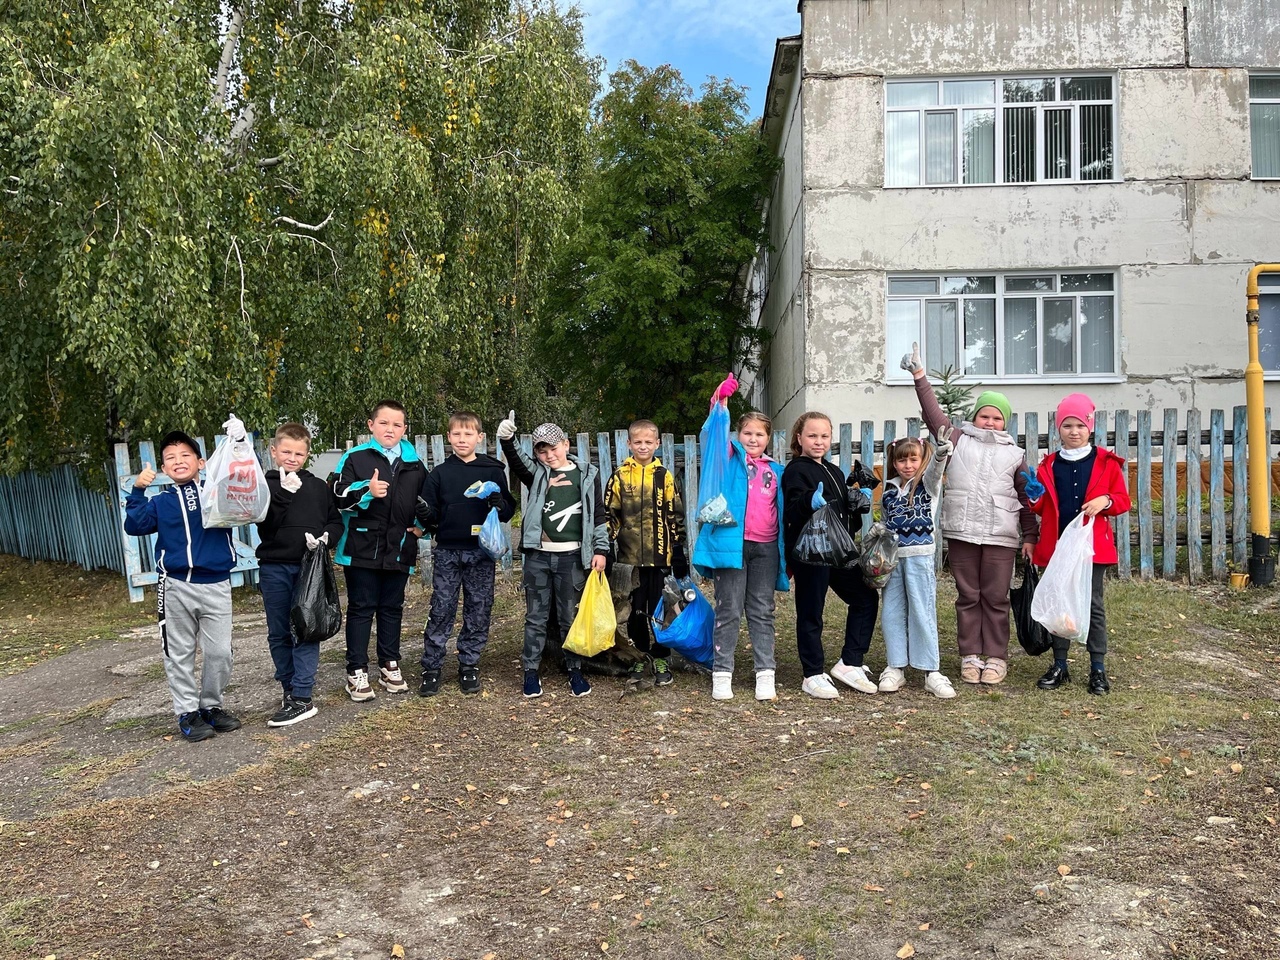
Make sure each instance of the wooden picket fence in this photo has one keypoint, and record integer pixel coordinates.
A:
(1188, 482)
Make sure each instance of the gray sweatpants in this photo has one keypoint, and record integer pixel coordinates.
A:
(750, 590)
(191, 614)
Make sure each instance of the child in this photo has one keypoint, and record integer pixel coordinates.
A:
(1079, 478)
(810, 441)
(302, 513)
(745, 560)
(460, 564)
(646, 528)
(378, 486)
(983, 507)
(909, 620)
(193, 592)
(563, 536)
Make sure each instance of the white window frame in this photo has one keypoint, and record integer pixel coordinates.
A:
(1268, 294)
(896, 375)
(1268, 75)
(998, 106)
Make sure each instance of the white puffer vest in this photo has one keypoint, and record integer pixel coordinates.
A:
(979, 502)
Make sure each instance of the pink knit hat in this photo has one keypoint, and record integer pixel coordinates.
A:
(1076, 405)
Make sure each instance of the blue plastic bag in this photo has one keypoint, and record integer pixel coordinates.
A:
(691, 633)
(494, 540)
(713, 508)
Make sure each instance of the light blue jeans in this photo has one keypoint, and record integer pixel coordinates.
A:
(909, 615)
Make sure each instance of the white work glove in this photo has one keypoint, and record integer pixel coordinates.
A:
(234, 428)
(313, 543)
(290, 481)
(507, 428)
(943, 448)
(911, 361)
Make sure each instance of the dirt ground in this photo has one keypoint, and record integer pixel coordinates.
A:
(1004, 824)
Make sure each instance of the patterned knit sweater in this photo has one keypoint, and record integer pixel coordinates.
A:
(911, 516)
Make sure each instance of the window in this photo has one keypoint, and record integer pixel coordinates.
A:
(1264, 125)
(1056, 326)
(1001, 130)
(1269, 322)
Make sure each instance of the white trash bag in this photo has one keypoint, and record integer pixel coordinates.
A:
(235, 488)
(1065, 592)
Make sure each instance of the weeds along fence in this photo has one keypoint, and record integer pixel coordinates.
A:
(1187, 480)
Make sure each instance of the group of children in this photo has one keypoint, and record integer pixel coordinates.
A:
(381, 500)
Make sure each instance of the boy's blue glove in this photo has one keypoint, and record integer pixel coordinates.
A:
(818, 499)
(482, 490)
(1034, 488)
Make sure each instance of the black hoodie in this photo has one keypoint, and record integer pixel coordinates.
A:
(292, 515)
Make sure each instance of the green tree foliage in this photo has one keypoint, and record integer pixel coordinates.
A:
(650, 307)
(281, 208)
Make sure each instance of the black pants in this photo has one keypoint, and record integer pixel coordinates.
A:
(811, 583)
(1096, 643)
(644, 601)
(373, 593)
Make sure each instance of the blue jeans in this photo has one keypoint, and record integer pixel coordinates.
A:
(909, 616)
(296, 663)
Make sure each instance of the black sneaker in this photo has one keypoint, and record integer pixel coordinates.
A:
(1098, 682)
(293, 710)
(532, 685)
(430, 683)
(219, 719)
(1054, 677)
(662, 672)
(194, 728)
(469, 680)
(578, 684)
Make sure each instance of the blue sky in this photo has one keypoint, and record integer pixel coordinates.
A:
(723, 38)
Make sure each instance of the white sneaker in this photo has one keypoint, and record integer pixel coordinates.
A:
(721, 686)
(891, 680)
(820, 687)
(764, 685)
(389, 676)
(938, 684)
(855, 677)
(358, 688)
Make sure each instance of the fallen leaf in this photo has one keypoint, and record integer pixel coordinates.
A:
(923, 926)
(797, 822)
(1237, 768)
(503, 801)
(872, 888)
(842, 849)
(779, 894)
(906, 951)
(397, 951)
(1063, 870)
(471, 788)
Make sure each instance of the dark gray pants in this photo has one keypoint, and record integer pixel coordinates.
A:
(550, 579)
(1096, 643)
(471, 573)
(750, 590)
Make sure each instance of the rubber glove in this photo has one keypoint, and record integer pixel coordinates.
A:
(290, 481)
(1034, 488)
(482, 490)
(234, 428)
(818, 499)
(507, 428)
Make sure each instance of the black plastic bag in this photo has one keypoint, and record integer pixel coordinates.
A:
(1035, 639)
(316, 613)
(825, 541)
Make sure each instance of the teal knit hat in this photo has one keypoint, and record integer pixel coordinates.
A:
(991, 398)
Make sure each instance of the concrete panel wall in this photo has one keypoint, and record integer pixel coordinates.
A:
(846, 340)
(1233, 33)
(1238, 221)
(998, 227)
(1208, 109)
(844, 132)
(985, 36)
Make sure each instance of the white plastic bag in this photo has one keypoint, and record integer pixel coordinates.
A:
(235, 488)
(1065, 592)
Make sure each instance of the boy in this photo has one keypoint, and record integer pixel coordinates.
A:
(563, 535)
(459, 561)
(646, 526)
(193, 593)
(303, 515)
(378, 487)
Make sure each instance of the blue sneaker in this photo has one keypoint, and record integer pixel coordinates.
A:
(194, 727)
(578, 685)
(532, 685)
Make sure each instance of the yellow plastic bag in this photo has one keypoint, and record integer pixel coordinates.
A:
(595, 625)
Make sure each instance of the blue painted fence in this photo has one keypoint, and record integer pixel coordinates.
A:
(51, 516)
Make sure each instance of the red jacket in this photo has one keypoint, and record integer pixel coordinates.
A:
(1107, 479)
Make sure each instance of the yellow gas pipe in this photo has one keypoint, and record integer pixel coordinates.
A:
(1262, 565)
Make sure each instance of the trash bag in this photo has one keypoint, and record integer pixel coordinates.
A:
(1062, 598)
(691, 632)
(494, 539)
(316, 614)
(235, 490)
(879, 555)
(825, 541)
(1035, 639)
(714, 508)
(594, 626)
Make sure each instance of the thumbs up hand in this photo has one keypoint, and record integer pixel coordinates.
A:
(146, 477)
(378, 487)
(507, 428)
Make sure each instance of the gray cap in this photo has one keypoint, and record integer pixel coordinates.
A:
(549, 433)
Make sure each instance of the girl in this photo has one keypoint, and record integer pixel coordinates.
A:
(910, 620)
(1079, 478)
(983, 507)
(744, 560)
(810, 441)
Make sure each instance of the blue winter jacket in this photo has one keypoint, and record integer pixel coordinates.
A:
(185, 550)
(720, 548)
